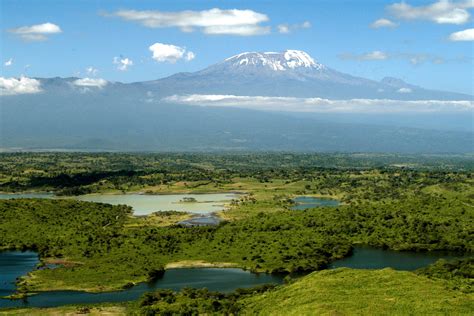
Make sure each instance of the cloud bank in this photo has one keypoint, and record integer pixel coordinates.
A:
(412, 58)
(38, 32)
(440, 12)
(90, 82)
(375, 55)
(23, 85)
(291, 104)
(404, 90)
(170, 53)
(214, 21)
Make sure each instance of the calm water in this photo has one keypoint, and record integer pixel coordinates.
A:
(13, 264)
(143, 204)
(307, 202)
(201, 221)
(374, 258)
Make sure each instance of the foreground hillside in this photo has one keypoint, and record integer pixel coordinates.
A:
(362, 292)
(331, 292)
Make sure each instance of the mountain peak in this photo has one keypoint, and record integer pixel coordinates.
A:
(289, 59)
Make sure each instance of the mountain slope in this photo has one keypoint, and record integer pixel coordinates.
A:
(290, 73)
(92, 114)
(109, 122)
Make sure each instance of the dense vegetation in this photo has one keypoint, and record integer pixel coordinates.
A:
(401, 203)
(194, 301)
(96, 236)
(330, 292)
(76, 173)
(49, 226)
(341, 291)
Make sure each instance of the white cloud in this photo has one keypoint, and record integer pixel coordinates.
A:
(92, 71)
(38, 32)
(441, 12)
(123, 63)
(420, 58)
(240, 30)
(290, 104)
(466, 35)
(383, 23)
(170, 53)
(286, 28)
(404, 90)
(375, 55)
(283, 29)
(413, 58)
(417, 59)
(23, 85)
(213, 21)
(190, 56)
(8, 63)
(90, 82)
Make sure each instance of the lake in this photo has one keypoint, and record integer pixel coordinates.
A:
(201, 221)
(144, 204)
(215, 279)
(308, 202)
(15, 263)
(12, 265)
(376, 258)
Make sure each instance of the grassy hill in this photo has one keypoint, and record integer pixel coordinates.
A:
(361, 292)
(329, 292)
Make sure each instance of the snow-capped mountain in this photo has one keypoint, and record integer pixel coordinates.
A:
(290, 73)
(291, 65)
(92, 113)
(288, 60)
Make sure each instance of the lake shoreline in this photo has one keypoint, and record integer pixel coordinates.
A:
(146, 204)
(202, 264)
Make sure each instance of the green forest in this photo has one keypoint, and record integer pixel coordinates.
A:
(402, 203)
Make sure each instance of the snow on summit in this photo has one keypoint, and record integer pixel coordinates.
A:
(289, 59)
(297, 58)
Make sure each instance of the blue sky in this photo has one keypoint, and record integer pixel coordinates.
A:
(414, 43)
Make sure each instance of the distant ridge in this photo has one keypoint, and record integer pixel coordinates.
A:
(290, 73)
(94, 114)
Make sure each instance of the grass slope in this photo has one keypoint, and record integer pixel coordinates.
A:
(329, 292)
(361, 292)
